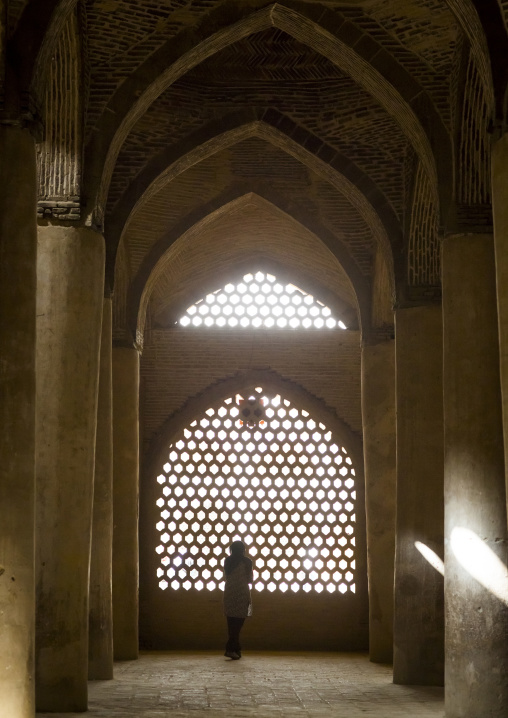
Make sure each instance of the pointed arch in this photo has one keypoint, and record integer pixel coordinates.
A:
(340, 482)
(496, 34)
(325, 32)
(36, 35)
(467, 17)
(153, 265)
(343, 174)
(268, 379)
(231, 274)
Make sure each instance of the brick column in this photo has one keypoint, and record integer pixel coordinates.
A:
(125, 502)
(70, 288)
(18, 244)
(419, 594)
(100, 654)
(476, 581)
(379, 448)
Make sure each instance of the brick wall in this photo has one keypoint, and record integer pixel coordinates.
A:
(179, 363)
(194, 620)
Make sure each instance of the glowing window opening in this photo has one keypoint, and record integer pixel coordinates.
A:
(286, 488)
(260, 301)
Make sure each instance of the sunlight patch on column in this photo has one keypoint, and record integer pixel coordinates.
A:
(480, 562)
(430, 556)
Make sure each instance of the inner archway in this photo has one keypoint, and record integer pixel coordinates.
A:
(282, 481)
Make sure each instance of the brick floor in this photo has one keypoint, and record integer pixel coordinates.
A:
(278, 685)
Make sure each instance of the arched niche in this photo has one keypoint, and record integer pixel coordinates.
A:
(315, 605)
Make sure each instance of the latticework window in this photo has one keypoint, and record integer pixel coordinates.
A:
(259, 300)
(284, 486)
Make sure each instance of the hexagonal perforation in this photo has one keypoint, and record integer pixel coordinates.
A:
(286, 491)
(260, 301)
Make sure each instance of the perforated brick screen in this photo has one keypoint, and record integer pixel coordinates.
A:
(285, 487)
(260, 301)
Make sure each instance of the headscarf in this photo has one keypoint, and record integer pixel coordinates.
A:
(237, 551)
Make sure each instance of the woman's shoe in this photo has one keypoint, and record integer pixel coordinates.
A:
(231, 654)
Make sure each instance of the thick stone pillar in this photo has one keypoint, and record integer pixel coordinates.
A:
(379, 448)
(18, 244)
(419, 598)
(125, 502)
(476, 578)
(70, 274)
(100, 650)
(500, 213)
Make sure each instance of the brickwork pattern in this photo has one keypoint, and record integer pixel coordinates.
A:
(281, 685)
(383, 295)
(409, 37)
(145, 27)
(59, 154)
(14, 11)
(424, 251)
(474, 35)
(250, 163)
(253, 231)
(474, 149)
(426, 28)
(253, 228)
(179, 363)
(307, 30)
(124, 34)
(270, 69)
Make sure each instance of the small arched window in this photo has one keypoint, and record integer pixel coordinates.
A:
(260, 301)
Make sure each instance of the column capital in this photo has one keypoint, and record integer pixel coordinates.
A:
(126, 343)
(20, 109)
(466, 235)
(468, 219)
(420, 296)
(499, 134)
(378, 335)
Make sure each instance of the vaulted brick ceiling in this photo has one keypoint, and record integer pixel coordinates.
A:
(371, 142)
(296, 81)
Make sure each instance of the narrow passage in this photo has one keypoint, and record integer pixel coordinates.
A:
(280, 685)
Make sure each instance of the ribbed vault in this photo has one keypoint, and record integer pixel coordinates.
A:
(395, 96)
(338, 170)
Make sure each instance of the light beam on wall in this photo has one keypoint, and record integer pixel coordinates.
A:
(480, 562)
(430, 556)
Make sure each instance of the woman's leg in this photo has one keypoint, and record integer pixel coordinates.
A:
(234, 628)
(235, 634)
(230, 641)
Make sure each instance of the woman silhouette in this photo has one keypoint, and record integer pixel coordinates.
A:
(237, 600)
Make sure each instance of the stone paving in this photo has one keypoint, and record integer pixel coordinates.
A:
(276, 685)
